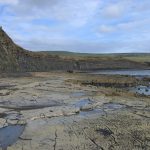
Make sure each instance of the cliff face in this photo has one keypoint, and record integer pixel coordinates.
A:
(13, 58)
(8, 61)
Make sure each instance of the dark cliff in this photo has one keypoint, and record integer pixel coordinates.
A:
(13, 58)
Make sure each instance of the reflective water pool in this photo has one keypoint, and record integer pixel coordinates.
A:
(144, 90)
(124, 72)
(10, 134)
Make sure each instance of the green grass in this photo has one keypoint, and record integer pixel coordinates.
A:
(138, 57)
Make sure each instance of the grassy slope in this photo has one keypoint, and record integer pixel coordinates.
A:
(143, 58)
(137, 57)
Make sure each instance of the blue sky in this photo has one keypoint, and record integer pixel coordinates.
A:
(90, 26)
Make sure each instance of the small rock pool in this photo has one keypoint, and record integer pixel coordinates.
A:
(107, 107)
(10, 134)
(78, 94)
(143, 90)
(129, 72)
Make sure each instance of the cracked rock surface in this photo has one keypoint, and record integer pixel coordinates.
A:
(61, 114)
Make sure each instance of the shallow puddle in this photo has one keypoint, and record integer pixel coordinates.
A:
(113, 106)
(91, 112)
(124, 72)
(83, 102)
(78, 94)
(143, 90)
(107, 107)
(9, 135)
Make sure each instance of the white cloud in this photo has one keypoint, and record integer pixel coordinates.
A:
(113, 11)
(8, 2)
(120, 25)
(76, 12)
(132, 25)
(106, 29)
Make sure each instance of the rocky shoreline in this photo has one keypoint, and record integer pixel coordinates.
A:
(61, 113)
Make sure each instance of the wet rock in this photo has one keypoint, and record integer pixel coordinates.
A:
(6, 86)
(11, 118)
(13, 115)
(50, 112)
(4, 92)
(2, 113)
(87, 104)
(12, 122)
(104, 132)
(87, 107)
(2, 122)
(22, 122)
(107, 84)
(2, 110)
